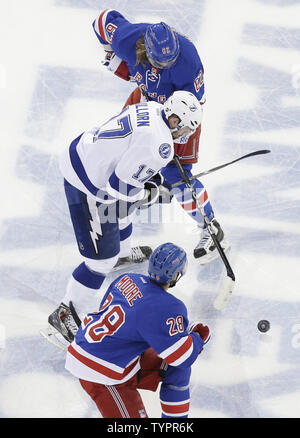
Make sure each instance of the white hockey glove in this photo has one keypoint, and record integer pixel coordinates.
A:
(111, 61)
(116, 65)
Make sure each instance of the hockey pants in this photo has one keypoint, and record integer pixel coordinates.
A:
(125, 401)
(101, 238)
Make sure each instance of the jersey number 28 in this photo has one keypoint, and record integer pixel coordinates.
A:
(110, 322)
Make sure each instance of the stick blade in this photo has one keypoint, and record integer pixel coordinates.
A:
(225, 294)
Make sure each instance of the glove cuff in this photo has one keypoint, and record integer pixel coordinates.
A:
(114, 63)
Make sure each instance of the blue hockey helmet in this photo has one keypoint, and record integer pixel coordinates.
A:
(165, 262)
(162, 45)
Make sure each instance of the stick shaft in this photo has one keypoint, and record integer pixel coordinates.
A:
(206, 172)
(187, 181)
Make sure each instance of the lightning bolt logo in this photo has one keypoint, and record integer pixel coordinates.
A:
(95, 223)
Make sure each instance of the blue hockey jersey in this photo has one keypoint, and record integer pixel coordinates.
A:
(118, 34)
(135, 314)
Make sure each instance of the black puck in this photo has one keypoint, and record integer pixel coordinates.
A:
(263, 325)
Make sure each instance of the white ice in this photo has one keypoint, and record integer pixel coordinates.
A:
(52, 87)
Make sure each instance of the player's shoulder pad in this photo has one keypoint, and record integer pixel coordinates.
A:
(125, 41)
(161, 303)
(172, 306)
(189, 58)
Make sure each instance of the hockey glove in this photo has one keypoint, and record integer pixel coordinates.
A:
(158, 179)
(165, 196)
(115, 64)
(202, 330)
(152, 193)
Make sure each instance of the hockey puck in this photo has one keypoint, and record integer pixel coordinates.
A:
(263, 325)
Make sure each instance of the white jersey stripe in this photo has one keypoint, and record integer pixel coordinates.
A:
(175, 415)
(182, 402)
(182, 358)
(173, 347)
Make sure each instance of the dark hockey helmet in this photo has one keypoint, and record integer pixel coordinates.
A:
(166, 261)
(162, 45)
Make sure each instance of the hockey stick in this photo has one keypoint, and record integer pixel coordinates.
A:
(223, 297)
(206, 172)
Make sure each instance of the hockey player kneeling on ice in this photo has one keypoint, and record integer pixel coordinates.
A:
(140, 337)
(108, 173)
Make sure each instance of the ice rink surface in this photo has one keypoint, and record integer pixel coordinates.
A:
(53, 87)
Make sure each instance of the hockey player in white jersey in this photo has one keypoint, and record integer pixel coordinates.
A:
(108, 171)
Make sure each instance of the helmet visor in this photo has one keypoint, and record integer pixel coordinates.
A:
(184, 269)
(162, 64)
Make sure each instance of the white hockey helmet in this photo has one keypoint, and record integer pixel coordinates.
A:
(187, 107)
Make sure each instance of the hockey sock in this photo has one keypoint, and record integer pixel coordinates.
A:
(81, 289)
(125, 239)
(184, 197)
(175, 401)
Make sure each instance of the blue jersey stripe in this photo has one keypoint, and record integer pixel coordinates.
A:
(79, 169)
(123, 188)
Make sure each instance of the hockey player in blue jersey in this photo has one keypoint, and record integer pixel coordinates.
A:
(160, 61)
(140, 336)
(108, 173)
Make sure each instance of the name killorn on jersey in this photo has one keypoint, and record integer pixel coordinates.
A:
(142, 116)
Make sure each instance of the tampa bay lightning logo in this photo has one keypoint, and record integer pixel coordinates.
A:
(165, 150)
(193, 108)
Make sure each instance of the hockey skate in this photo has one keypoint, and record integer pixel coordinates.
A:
(138, 254)
(206, 250)
(63, 325)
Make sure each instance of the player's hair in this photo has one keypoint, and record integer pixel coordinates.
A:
(141, 54)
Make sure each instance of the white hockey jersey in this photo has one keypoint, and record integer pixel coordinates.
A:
(114, 160)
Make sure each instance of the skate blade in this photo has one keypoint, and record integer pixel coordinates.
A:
(214, 254)
(126, 265)
(52, 336)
